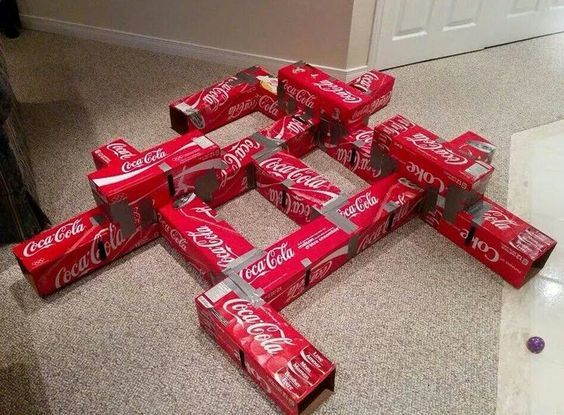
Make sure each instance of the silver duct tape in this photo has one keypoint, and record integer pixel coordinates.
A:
(359, 143)
(245, 290)
(391, 206)
(244, 78)
(265, 153)
(332, 205)
(458, 199)
(122, 214)
(164, 167)
(353, 246)
(342, 222)
(97, 220)
(306, 263)
(305, 117)
(146, 212)
(430, 200)
(266, 141)
(206, 184)
(287, 184)
(478, 210)
(299, 64)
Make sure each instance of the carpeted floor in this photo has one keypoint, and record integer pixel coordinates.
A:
(412, 323)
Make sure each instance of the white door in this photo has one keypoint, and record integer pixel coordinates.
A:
(408, 31)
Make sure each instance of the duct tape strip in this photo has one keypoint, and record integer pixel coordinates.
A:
(146, 212)
(122, 214)
(287, 184)
(306, 263)
(97, 220)
(391, 206)
(184, 200)
(244, 78)
(266, 141)
(164, 167)
(359, 143)
(347, 226)
(299, 64)
(457, 199)
(244, 289)
(478, 210)
(334, 204)
(265, 153)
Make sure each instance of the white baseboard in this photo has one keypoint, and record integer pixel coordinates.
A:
(173, 47)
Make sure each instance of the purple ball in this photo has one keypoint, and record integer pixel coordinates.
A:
(535, 344)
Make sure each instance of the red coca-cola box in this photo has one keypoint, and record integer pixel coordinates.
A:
(267, 102)
(474, 146)
(381, 208)
(175, 167)
(354, 152)
(500, 240)
(207, 242)
(302, 86)
(295, 133)
(377, 85)
(291, 371)
(293, 187)
(297, 262)
(219, 104)
(423, 158)
(62, 254)
(116, 150)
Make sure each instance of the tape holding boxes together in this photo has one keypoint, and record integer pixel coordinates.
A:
(172, 190)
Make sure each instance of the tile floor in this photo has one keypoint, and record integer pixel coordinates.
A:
(529, 383)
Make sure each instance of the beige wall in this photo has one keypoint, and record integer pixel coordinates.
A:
(318, 31)
(361, 32)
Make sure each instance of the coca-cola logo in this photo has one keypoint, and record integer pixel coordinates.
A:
(274, 258)
(302, 96)
(218, 94)
(361, 204)
(149, 158)
(430, 145)
(422, 176)
(242, 107)
(92, 257)
(120, 150)
(321, 271)
(268, 104)
(300, 175)
(204, 237)
(329, 86)
(65, 231)
(477, 244)
(365, 81)
(240, 151)
(360, 164)
(269, 336)
(499, 219)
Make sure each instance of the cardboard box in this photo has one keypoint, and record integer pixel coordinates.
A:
(376, 85)
(500, 240)
(219, 104)
(293, 187)
(267, 102)
(66, 252)
(116, 150)
(305, 87)
(206, 241)
(184, 164)
(291, 371)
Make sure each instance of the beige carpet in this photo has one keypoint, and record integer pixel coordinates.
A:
(412, 323)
